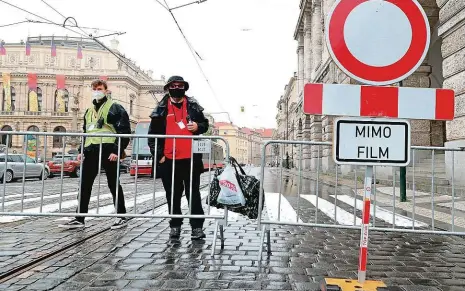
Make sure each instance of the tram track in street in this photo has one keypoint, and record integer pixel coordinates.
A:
(53, 254)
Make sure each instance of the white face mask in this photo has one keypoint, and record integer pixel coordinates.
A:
(97, 95)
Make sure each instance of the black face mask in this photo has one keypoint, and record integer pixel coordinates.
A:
(177, 93)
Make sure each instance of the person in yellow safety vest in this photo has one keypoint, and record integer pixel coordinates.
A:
(104, 117)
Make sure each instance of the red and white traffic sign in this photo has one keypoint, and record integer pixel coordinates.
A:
(377, 42)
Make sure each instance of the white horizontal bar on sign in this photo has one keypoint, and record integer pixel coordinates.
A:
(381, 213)
(342, 217)
(272, 205)
(379, 101)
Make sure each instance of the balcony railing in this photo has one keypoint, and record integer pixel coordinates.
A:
(35, 113)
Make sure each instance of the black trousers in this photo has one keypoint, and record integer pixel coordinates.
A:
(89, 173)
(181, 183)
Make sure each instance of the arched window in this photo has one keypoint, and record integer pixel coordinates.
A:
(131, 105)
(58, 140)
(13, 99)
(3, 137)
(61, 99)
(33, 128)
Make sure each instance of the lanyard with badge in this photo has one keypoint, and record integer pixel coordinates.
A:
(94, 118)
(180, 123)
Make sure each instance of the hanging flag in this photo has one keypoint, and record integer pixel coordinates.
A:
(79, 51)
(7, 91)
(33, 101)
(28, 48)
(2, 48)
(103, 78)
(53, 48)
(60, 100)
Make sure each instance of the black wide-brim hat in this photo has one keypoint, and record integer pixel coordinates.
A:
(178, 79)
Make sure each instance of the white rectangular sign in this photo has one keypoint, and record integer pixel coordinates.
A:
(202, 146)
(372, 141)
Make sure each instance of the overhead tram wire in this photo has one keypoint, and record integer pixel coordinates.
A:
(96, 40)
(53, 8)
(81, 34)
(15, 23)
(195, 54)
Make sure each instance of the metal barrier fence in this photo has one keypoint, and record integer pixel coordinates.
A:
(20, 166)
(334, 192)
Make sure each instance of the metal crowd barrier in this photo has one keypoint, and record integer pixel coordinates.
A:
(65, 209)
(334, 192)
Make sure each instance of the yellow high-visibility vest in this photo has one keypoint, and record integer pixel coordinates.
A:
(92, 117)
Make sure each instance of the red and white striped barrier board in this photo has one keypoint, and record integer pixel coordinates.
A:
(373, 101)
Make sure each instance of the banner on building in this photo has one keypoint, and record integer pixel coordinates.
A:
(28, 48)
(32, 146)
(7, 91)
(33, 101)
(60, 93)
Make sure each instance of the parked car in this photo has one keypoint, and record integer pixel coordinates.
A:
(124, 167)
(71, 166)
(15, 168)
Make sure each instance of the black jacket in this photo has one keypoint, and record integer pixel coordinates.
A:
(119, 118)
(158, 124)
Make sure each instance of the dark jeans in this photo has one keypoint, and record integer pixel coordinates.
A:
(89, 173)
(181, 183)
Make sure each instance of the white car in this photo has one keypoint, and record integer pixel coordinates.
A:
(15, 168)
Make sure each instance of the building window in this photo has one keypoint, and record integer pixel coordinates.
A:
(3, 137)
(58, 140)
(61, 103)
(131, 105)
(39, 100)
(33, 128)
(13, 99)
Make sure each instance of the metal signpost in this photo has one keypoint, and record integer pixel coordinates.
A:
(377, 43)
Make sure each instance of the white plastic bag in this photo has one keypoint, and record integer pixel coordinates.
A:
(231, 193)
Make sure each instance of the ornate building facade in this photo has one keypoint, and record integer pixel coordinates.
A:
(444, 67)
(60, 108)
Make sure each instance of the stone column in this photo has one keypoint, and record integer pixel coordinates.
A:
(308, 47)
(300, 57)
(327, 163)
(421, 129)
(307, 150)
(315, 135)
(452, 31)
(317, 35)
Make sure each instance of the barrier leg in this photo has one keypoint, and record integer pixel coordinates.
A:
(262, 240)
(268, 241)
(222, 236)
(214, 238)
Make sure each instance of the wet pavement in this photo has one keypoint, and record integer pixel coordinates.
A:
(142, 257)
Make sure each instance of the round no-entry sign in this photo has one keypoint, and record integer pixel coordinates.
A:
(377, 42)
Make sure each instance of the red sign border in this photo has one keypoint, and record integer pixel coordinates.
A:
(384, 75)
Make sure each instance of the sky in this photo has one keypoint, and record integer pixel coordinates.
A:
(244, 68)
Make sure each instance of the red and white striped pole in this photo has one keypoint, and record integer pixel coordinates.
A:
(363, 257)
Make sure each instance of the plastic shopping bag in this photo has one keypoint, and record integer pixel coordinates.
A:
(231, 193)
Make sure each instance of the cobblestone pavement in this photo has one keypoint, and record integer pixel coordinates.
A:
(26, 238)
(142, 257)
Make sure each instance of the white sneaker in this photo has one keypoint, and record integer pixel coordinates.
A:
(119, 223)
(73, 224)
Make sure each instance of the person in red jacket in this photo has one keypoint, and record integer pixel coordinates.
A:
(177, 114)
